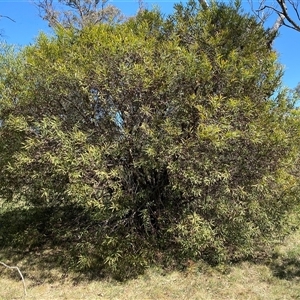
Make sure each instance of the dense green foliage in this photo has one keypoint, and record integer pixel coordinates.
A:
(152, 139)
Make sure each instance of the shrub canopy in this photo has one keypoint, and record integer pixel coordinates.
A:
(165, 136)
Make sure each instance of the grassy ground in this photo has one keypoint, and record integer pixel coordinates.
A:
(279, 278)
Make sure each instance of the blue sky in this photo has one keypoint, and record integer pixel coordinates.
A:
(28, 24)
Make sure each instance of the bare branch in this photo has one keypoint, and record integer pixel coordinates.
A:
(1, 16)
(279, 22)
(48, 13)
(284, 9)
(141, 5)
(78, 13)
(16, 268)
(295, 7)
(280, 7)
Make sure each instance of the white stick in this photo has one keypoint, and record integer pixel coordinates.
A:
(25, 291)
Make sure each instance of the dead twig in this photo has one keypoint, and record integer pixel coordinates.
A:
(16, 268)
(1, 16)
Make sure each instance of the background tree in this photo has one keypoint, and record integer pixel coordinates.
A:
(78, 13)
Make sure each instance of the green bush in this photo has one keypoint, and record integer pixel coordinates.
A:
(172, 136)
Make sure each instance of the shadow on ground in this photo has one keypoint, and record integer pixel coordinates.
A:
(46, 243)
(287, 268)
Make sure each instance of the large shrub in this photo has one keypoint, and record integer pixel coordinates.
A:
(169, 137)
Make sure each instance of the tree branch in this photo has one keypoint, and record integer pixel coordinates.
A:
(1, 16)
(284, 9)
(279, 22)
(203, 4)
(16, 268)
(281, 9)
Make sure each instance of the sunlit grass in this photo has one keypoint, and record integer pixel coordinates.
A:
(277, 279)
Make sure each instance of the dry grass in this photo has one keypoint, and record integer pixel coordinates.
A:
(243, 281)
(278, 279)
(246, 281)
